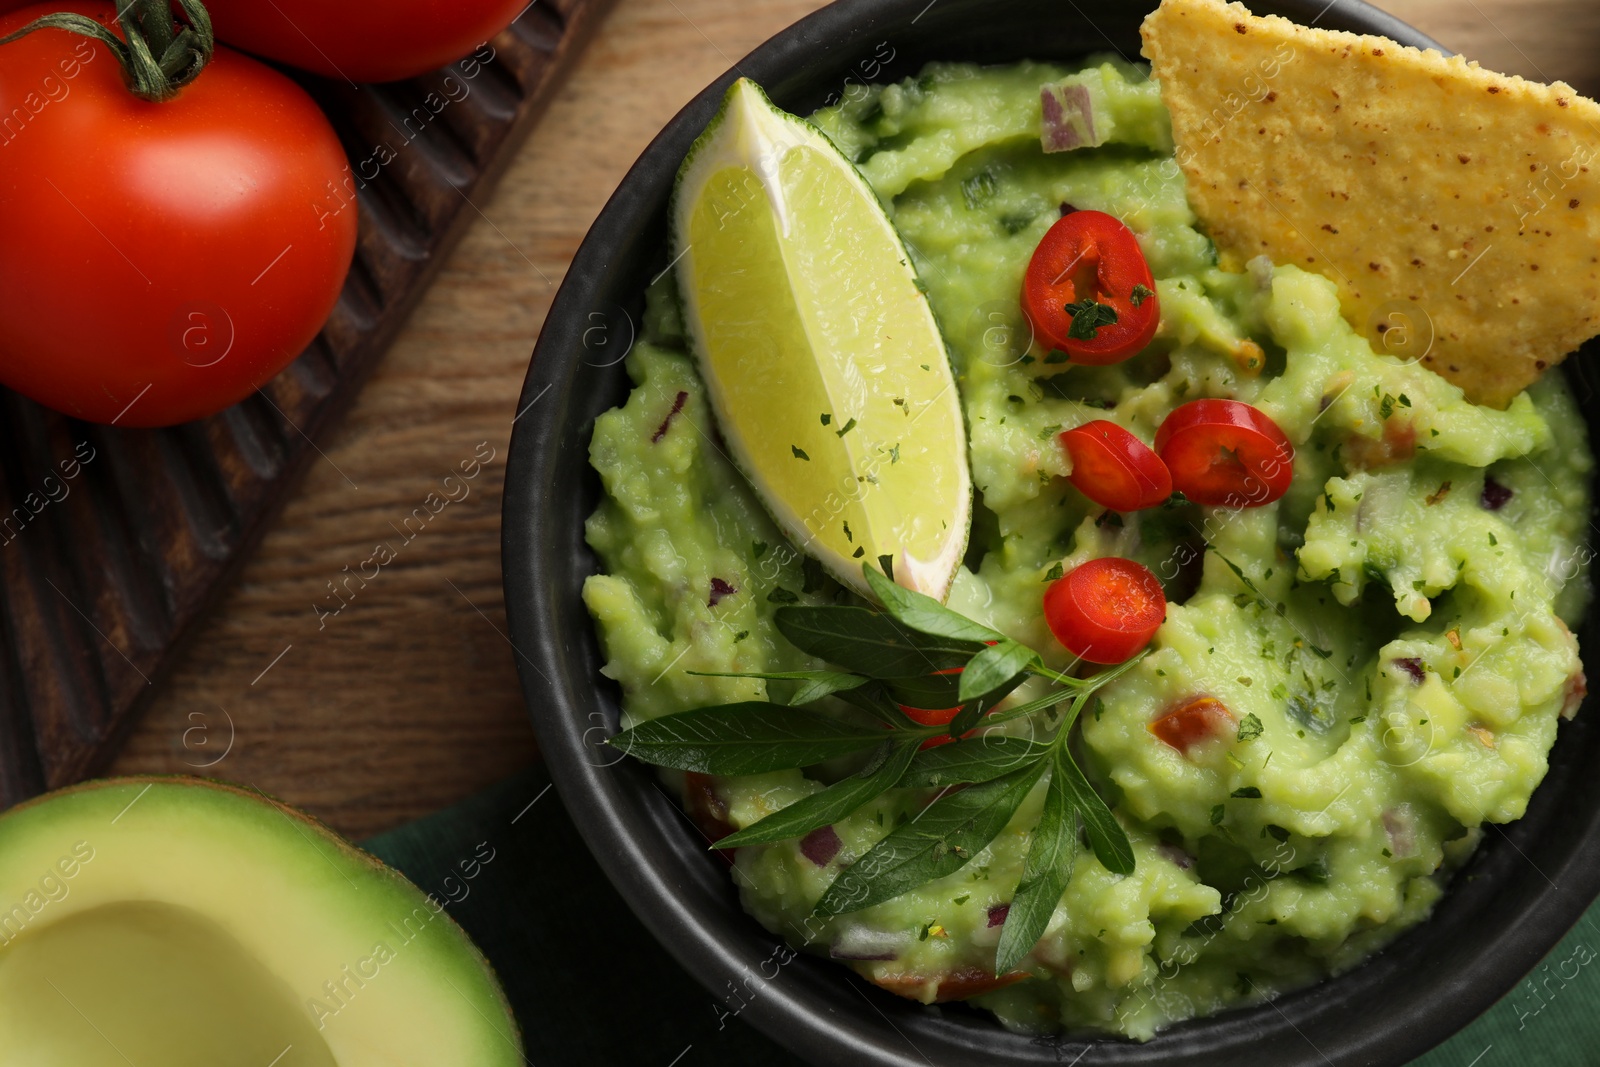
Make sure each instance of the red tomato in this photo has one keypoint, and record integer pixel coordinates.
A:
(1398, 445)
(947, 986)
(935, 716)
(1106, 610)
(932, 717)
(1088, 291)
(1115, 469)
(1196, 722)
(159, 261)
(1226, 454)
(363, 40)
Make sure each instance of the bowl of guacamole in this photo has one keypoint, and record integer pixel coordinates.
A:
(1378, 852)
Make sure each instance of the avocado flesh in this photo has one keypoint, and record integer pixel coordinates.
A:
(180, 923)
(145, 982)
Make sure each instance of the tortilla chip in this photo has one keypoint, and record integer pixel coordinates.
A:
(1458, 210)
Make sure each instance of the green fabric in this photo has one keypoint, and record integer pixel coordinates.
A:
(592, 987)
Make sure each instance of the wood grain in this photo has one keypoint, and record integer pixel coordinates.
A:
(407, 699)
(116, 541)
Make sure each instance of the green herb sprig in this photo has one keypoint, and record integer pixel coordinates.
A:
(907, 654)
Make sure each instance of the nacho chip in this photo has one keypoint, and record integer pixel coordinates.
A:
(1458, 210)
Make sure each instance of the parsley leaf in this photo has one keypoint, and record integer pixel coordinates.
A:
(1087, 318)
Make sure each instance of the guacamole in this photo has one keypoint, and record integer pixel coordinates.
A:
(1392, 636)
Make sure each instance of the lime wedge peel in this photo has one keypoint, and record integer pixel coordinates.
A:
(823, 361)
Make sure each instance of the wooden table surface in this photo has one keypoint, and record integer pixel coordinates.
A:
(407, 700)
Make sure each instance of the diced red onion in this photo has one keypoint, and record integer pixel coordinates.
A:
(998, 913)
(719, 591)
(666, 423)
(1413, 667)
(1400, 824)
(1177, 855)
(1068, 114)
(865, 943)
(1495, 496)
(820, 846)
(1577, 689)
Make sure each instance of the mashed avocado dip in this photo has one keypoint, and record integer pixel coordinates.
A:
(1391, 636)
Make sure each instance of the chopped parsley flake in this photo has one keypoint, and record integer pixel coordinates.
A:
(1250, 727)
(1087, 318)
(849, 425)
(811, 571)
(799, 453)
(1140, 294)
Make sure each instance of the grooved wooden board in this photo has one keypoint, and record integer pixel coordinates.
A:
(115, 542)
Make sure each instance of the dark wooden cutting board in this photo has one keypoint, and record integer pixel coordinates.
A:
(114, 543)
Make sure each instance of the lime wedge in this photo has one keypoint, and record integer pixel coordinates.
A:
(824, 363)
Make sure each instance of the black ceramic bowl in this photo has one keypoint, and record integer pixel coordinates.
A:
(1528, 884)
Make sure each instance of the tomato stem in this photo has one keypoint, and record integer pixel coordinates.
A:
(158, 55)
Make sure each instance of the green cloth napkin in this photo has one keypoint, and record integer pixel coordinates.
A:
(591, 986)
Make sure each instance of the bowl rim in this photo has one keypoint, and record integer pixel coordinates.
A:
(560, 707)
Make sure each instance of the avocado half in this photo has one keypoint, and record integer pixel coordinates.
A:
(183, 923)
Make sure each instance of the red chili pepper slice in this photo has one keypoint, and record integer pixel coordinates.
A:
(1089, 292)
(935, 716)
(931, 717)
(1197, 721)
(1114, 468)
(1223, 453)
(1106, 610)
